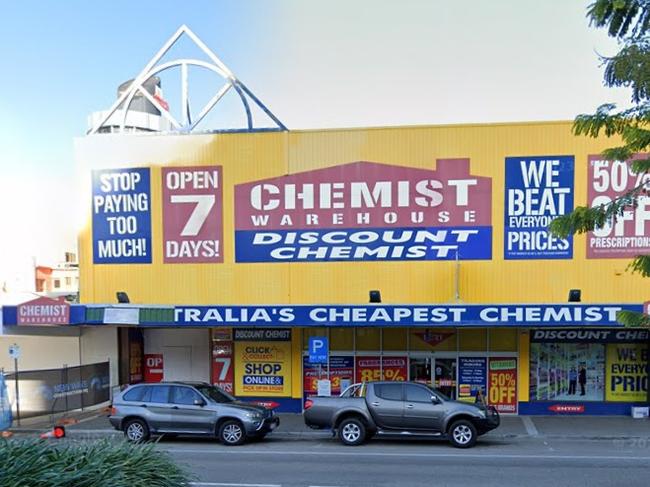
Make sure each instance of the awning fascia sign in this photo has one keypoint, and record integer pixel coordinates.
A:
(409, 315)
(353, 315)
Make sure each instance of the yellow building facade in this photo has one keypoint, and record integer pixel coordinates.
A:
(240, 250)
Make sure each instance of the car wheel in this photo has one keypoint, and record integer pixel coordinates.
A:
(136, 431)
(352, 432)
(462, 434)
(232, 433)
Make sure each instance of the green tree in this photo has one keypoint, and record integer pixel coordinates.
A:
(628, 21)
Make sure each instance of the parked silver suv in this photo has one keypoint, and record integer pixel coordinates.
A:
(188, 408)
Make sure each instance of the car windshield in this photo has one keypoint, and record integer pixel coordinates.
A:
(215, 394)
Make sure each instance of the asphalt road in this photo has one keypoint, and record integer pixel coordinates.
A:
(325, 463)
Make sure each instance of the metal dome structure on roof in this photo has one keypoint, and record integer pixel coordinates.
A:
(187, 123)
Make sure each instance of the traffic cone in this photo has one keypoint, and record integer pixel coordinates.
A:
(57, 432)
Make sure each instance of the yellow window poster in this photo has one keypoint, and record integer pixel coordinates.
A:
(627, 372)
(262, 362)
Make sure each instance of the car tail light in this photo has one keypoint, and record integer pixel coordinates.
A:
(308, 403)
(113, 410)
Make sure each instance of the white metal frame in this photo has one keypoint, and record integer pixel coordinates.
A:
(187, 124)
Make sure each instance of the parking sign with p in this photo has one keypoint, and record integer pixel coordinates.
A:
(318, 350)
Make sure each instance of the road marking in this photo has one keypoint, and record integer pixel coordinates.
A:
(529, 425)
(221, 484)
(408, 454)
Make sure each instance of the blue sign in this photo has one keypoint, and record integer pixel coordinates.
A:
(368, 244)
(121, 216)
(318, 350)
(472, 377)
(520, 315)
(538, 190)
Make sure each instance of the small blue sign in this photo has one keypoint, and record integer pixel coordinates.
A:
(472, 377)
(404, 243)
(318, 350)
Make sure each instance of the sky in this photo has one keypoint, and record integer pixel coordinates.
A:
(315, 64)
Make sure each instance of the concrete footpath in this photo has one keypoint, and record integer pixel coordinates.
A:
(96, 424)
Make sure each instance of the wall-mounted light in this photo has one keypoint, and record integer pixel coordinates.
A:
(122, 297)
(375, 296)
(575, 296)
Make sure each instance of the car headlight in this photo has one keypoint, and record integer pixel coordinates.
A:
(254, 416)
(482, 413)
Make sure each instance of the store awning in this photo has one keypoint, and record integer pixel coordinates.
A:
(347, 315)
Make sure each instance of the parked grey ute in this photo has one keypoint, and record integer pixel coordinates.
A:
(399, 408)
(188, 408)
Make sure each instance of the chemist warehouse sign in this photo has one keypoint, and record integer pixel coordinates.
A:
(365, 211)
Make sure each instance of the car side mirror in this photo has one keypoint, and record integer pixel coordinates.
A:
(435, 400)
(199, 402)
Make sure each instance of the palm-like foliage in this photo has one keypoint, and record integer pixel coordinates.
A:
(629, 22)
(31, 463)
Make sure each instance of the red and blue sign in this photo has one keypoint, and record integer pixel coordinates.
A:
(366, 211)
(121, 216)
(538, 190)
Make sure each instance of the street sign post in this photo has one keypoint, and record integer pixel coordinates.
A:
(318, 354)
(14, 353)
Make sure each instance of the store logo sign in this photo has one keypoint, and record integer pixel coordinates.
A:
(44, 311)
(433, 338)
(364, 211)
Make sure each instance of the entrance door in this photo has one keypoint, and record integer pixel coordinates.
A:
(420, 370)
(444, 378)
(177, 363)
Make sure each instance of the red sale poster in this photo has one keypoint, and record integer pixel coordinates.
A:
(192, 214)
(369, 369)
(628, 236)
(222, 366)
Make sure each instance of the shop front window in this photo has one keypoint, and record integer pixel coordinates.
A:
(472, 339)
(394, 339)
(342, 339)
(503, 339)
(567, 371)
(368, 339)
